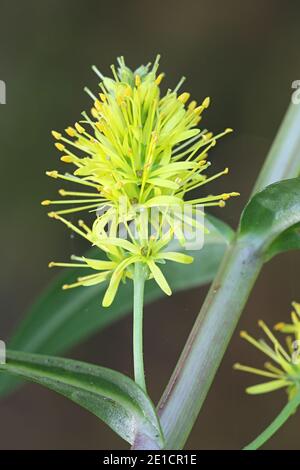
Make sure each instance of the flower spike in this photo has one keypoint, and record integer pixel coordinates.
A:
(137, 152)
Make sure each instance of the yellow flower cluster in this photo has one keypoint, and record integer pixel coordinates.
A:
(139, 150)
(284, 370)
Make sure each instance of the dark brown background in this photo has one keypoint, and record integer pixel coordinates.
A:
(245, 55)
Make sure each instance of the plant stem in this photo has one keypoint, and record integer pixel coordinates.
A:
(138, 298)
(208, 340)
(283, 416)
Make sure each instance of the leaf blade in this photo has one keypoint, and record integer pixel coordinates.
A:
(109, 395)
(271, 213)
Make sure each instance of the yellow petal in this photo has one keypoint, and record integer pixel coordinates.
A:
(177, 257)
(266, 387)
(159, 277)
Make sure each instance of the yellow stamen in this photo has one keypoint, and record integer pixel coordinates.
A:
(60, 146)
(76, 209)
(67, 159)
(296, 306)
(274, 340)
(82, 224)
(229, 195)
(128, 91)
(260, 345)
(272, 368)
(94, 113)
(192, 105)
(279, 326)
(52, 174)
(71, 201)
(71, 131)
(73, 179)
(69, 224)
(184, 97)
(137, 80)
(159, 78)
(56, 135)
(98, 105)
(207, 136)
(295, 318)
(199, 109)
(206, 102)
(67, 265)
(253, 370)
(79, 128)
(63, 192)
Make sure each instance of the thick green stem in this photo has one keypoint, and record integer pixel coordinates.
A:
(208, 340)
(138, 299)
(283, 416)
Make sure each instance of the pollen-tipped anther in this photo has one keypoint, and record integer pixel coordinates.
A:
(52, 215)
(71, 131)
(184, 97)
(79, 128)
(56, 135)
(206, 102)
(60, 146)
(52, 174)
(66, 159)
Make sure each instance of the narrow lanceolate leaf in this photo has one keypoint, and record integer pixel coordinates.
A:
(271, 218)
(111, 396)
(60, 319)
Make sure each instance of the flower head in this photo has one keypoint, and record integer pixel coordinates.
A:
(137, 145)
(284, 368)
(137, 150)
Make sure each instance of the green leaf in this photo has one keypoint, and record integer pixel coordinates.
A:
(60, 319)
(111, 396)
(271, 218)
(287, 241)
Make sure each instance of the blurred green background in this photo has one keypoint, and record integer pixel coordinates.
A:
(244, 55)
